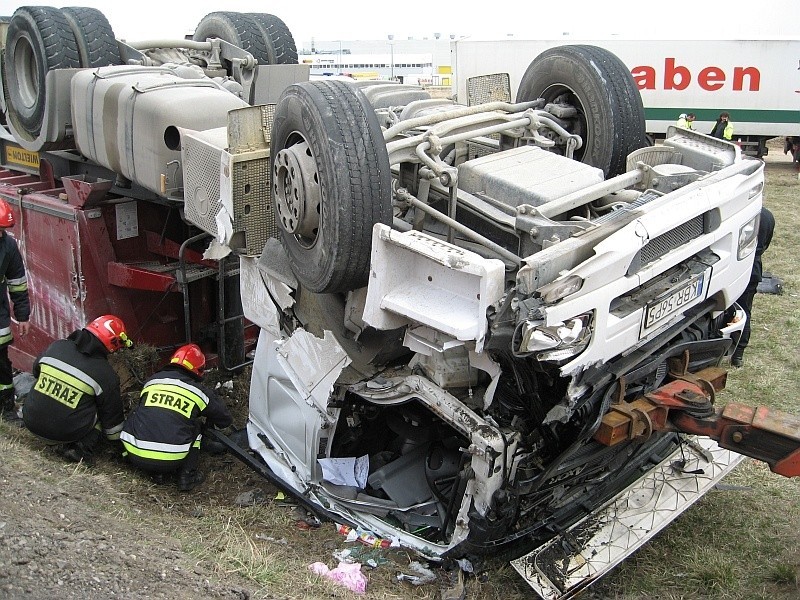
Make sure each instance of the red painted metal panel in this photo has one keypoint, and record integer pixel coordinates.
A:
(136, 278)
(67, 251)
(83, 260)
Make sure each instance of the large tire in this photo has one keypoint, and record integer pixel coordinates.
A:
(97, 45)
(277, 38)
(330, 183)
(39, 39)
(597, 83)
(237, 29)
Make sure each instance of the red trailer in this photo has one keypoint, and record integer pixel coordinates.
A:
(89, 251)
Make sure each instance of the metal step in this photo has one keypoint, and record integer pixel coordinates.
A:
(577, 558)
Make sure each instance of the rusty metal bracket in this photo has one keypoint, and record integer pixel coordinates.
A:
(679, 370)
(641, 425)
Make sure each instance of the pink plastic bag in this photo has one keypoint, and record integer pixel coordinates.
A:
(347, 574)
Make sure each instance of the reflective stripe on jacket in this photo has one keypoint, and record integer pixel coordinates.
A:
(73, 390)
(167, 421)
(14, 280)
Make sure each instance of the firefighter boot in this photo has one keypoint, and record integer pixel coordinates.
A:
(737, 360)
(9, 408)
(188, 479)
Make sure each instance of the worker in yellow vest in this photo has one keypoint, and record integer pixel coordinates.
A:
(723, 128)
(686, 121)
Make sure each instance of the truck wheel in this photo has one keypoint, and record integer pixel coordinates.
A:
(235, 28)
(277, 38)
(97, 45)
(330, 183)
(38, 40)
(599, 85)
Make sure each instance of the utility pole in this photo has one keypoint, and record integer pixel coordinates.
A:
(391, 52)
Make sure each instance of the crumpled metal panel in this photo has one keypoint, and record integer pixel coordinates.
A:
(573, 560)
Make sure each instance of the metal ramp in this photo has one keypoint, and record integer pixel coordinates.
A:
(578, 557)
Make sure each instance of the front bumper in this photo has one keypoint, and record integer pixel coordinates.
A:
(573, 560)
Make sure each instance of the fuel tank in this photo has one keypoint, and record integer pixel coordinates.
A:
(127, 118)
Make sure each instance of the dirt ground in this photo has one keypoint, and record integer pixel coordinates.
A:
(70, 531)
(61, 539)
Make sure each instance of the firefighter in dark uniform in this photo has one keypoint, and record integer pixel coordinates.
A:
(76, 395)
(13, 285)
(163, 433)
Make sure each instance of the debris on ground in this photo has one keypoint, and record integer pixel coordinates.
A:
(365, 537)
(346, 574)
(305, 519)
(250, 498)
(454, 588)
(369, 557)
(421, 575)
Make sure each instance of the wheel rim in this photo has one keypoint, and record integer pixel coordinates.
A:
(297, 193)
(567, 95)
(26, 72)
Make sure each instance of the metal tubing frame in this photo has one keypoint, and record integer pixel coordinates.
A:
(181, 277)
(223, 320)
(464, 230)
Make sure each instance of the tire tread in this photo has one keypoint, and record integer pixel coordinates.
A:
(97, 46)
(54, 47)
(245, 32)
(355, 181)
(613, 85)
(277, 35)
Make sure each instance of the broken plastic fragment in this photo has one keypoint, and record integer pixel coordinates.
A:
(422, 576)
(465, 565)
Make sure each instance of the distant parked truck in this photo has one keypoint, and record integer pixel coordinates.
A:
(756, 81)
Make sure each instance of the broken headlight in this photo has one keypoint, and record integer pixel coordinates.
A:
(556, 342)
(748, 238)
(560, 288)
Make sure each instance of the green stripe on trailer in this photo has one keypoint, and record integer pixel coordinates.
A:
(737, 116)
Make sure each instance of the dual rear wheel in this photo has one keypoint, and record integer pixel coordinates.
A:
(264, 36)
(43, 38)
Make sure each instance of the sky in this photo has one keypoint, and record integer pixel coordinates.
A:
(376, 20)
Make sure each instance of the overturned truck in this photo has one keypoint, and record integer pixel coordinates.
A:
(473, 342)
(484, 329)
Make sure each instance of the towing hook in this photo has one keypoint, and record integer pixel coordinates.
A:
(685, 405)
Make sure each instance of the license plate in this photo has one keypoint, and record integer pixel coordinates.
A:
(656, 312)
(18, 156)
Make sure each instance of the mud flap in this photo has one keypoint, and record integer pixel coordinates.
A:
(578, 557)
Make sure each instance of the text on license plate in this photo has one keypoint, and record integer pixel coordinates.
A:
(663, 308)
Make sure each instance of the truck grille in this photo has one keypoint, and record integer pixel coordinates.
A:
(666, 242)
(480, 90)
